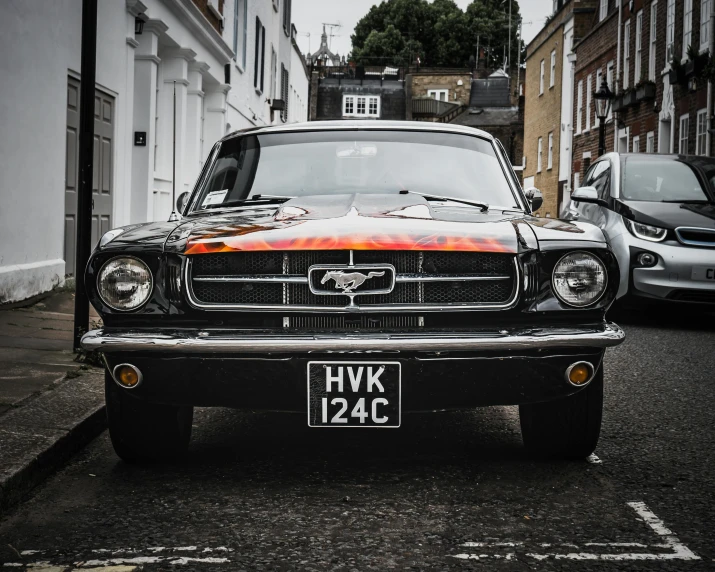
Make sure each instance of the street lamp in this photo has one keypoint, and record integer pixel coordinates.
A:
(602, 100)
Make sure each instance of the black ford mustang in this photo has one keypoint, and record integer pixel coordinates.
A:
(354, 271)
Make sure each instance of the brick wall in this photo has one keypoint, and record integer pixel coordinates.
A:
(422, 83)
(644, 117)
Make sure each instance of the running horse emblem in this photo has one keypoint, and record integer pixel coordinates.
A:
(349, 281)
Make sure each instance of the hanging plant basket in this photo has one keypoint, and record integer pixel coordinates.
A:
(645, 92)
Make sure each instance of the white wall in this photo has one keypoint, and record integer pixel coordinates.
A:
(567, 90)
(298, 100)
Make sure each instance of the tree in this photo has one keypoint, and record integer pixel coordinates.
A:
(439, 32)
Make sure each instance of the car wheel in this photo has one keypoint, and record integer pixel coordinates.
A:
(566, 428)
(145, 432)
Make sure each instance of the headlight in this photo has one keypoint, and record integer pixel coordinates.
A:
(124, 283)
(646, 232)
(579, 279)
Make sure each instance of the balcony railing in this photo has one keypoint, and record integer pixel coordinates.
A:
(429, 108)
(379, 73)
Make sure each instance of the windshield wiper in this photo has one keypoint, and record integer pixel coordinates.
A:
(238, 202)
(688, 202)
(483, 206)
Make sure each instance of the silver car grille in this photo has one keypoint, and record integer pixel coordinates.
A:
(424, 281)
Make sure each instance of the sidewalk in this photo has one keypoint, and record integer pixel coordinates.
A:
(50, 405)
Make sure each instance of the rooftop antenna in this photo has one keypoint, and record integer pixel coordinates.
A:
(174, 216)
(330, 33)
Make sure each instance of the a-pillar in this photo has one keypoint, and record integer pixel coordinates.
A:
(194, 153)
(146, 67)
(173, 91)
(215, 113)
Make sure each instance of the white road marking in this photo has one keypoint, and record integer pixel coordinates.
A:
(594, 459)
(676, 549)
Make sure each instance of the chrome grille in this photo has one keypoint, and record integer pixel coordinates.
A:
(425, 281)
(696, 236)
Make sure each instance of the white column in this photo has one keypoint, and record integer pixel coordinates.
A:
(146, 63)
(214, 114)
(194, 113)
(174, 74)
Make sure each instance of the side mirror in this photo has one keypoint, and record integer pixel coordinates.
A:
(587, 195)
(535, 198)
(181, 202)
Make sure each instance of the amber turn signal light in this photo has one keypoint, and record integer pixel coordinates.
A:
(126, 375)
(579, 373)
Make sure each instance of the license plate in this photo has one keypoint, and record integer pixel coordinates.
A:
(706, 273)
(354, 394)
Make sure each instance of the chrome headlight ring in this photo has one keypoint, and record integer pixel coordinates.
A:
(125, 283)
(579, 279)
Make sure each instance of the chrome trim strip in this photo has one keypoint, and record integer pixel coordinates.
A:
(233, 341)
(446, 278)
(271, 278)
(695, 242)
(461, 307)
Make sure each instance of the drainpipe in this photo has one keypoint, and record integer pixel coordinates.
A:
(617, 79)
(708, 135)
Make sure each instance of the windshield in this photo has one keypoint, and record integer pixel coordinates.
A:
(346, 162)
(660, 180)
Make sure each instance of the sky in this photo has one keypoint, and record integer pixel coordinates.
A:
(309, 16)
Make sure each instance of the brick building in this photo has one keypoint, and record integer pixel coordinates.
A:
(548, 101)
(662, 102)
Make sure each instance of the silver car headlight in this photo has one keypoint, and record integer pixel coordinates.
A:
(124, 283)
(646, 231)
(579, 279)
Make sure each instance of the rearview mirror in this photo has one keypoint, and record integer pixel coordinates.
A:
(587, 195)
(181, 201)
(535, 198)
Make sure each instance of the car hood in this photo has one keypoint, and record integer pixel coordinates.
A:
(668, 215)
(370, 222)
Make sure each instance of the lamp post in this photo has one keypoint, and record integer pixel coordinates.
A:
(602, 100)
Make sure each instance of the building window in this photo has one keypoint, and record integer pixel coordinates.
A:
(687, 27)
(683, 139)
(579, 107)
(653, 38)
(359, 105)
(550, 156)
(439, 94)
(284, 92)
(286, 16)
(705, 8)
(538, 155)
(599, 76)
(603, 12)
(669, 31)
(609, 81)
(589, 87)
(700, 137)
(259, 56)
(274, 73)
(541, 79)
(650, 142)
(636, 144)
(240, 25)
(626, 53)
(552, 79)
(639, 48)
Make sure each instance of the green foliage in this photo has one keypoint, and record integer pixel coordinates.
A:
(439, 32)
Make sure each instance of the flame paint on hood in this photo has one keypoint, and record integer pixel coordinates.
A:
(348, 223)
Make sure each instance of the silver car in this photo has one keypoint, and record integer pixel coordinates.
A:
(658, 213)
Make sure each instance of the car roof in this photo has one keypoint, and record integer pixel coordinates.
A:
(363, 124)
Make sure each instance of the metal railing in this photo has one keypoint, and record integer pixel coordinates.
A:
(427, 107)
(381, 73)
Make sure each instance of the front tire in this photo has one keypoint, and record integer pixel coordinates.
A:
(144, 432)
(565, 428)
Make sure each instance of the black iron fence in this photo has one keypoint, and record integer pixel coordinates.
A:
(380, 73)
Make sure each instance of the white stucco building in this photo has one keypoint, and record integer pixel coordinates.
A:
(228, 61)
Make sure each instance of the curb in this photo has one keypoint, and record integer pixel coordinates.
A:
(40, 436)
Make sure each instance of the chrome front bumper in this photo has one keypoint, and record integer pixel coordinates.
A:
(222, 341)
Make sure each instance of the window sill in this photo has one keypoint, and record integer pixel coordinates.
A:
(238, 66)
(259, 91)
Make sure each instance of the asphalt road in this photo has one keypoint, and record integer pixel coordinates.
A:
(446, 491)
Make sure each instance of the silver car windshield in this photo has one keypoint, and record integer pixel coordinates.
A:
(347, 161)
(645, 179)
